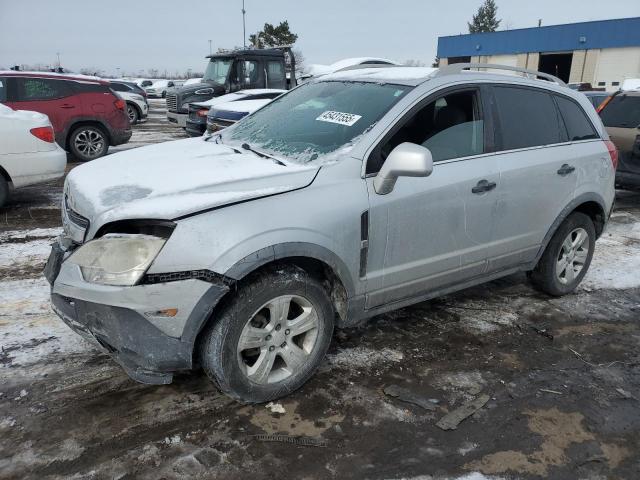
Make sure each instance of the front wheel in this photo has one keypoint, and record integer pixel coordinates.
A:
(567, 257)
(270, 338)
(88, 143)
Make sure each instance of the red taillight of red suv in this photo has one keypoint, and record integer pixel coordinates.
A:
(613, 153)
(120, 104)
(43, 133)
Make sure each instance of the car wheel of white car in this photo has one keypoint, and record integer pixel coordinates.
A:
(567, 257)
(270, 337)
(88, 143)
(132, 113)
(4, 191)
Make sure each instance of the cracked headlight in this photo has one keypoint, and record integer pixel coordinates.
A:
(119, 260)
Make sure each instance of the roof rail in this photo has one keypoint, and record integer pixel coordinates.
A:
(459, 67)
(367, 65)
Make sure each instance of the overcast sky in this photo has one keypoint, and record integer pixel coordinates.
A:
(173, 35)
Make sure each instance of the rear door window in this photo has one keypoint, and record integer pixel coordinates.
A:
(623, 111)
(3, 89)
(528, 118)
(36, 89)
(575, 120)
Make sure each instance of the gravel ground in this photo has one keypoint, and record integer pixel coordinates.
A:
(562, 378)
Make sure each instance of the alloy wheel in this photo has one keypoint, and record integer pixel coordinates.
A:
(572, 256)
(132, 114)
(90, 143)
(278, 339)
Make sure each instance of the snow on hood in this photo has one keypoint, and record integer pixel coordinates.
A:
(243, 106)
(172, 179)
(232, 97)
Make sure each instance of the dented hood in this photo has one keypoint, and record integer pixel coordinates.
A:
(172, 179)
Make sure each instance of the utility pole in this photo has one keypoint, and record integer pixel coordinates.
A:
(58, 55)
(210, 52)
(539, 22)
(244, 28)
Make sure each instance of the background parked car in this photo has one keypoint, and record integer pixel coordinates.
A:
(316, 69)
(197, 121)
(87, 117)
(621, 117)
(28, 151)
(596, 97)
(143, 82)
(226, 114)
(159, 88)
(137, 106)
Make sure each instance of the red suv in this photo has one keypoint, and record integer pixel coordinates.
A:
(86, 115)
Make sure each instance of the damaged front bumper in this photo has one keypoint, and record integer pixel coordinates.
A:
(128, 323)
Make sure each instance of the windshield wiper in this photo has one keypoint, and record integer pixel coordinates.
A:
(246, 146)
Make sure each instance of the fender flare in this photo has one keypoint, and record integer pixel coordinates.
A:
(566, 211)
(293, 249)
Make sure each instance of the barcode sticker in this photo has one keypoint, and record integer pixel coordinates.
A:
(341, 118)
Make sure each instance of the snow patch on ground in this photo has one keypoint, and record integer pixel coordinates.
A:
(29, 330)
(13, 252)
(616, 259)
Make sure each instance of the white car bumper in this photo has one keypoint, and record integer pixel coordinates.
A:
(179, 119)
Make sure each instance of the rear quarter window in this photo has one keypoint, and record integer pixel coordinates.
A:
(575, 120)
(623, 111)
(82, 87)
(528, 118)
(3, 89)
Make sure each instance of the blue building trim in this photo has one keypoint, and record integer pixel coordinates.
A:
(623, 32)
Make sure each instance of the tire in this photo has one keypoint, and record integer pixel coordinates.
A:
(567, 257)
(133, 114)
(88, 142)
(4, 191)
(255, 358)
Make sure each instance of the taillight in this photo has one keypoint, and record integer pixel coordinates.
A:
(202, 113)
(120, 104)
(604, 104)
(43, 133)
(613, 153)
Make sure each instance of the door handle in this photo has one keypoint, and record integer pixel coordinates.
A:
(66, 105)
(483, 186)
(566, 169)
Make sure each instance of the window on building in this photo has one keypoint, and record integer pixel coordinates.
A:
(528, 118)
(575, 120)
(602, 84)
(615, 84)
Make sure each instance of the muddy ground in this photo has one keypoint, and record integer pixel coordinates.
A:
(562, 376)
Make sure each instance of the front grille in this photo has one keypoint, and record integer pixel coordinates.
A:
(74, 216)
(172, 102)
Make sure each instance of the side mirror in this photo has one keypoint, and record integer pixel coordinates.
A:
(406, 160)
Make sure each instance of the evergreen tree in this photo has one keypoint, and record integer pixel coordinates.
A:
(273, 36)
(486, 19)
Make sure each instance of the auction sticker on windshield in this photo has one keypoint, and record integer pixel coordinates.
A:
(341, 118)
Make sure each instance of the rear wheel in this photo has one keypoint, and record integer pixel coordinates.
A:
(88, 143)
(4, 191)
(567, 257)
(270, 338)
(132, 113)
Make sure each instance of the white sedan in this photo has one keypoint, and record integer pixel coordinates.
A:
(28, 151)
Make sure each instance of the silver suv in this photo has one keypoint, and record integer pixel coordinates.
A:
(354, 194)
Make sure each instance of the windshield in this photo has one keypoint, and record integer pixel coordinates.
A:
(316, 119)
(217, 70)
